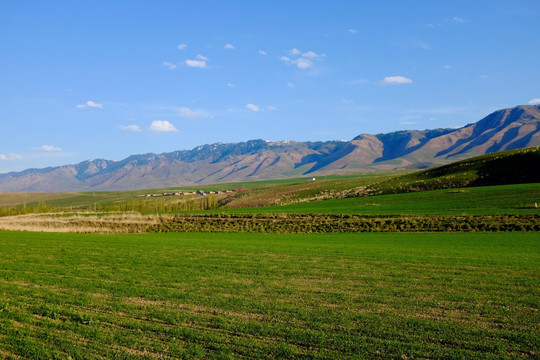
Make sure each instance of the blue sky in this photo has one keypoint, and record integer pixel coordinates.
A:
(108, 79)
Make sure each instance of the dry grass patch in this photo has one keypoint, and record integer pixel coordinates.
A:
(81, 223)
(143, 302)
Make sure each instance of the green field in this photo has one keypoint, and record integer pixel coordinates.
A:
(200, 295)
(502, 199)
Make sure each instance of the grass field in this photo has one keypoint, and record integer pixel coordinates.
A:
(502, 199)
(327, 296)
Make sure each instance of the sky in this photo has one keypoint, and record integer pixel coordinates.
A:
(108, 79)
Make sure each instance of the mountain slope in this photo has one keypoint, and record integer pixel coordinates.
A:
(505, 129)
(506, 167)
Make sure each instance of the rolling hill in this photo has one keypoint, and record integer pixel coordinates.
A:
(506, 129)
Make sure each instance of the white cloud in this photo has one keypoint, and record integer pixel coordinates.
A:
(229, 47)
(257, 108)
(396, 80)
(252, 107)
(162, 126)
(230, 85)
(131, 128)
(353, 31)
(484, 76)
(11, 156)
(290, 85)
(170, 65)
(200, 61)
(446, 66)
(262, 52)
(94, 105)
(187, 112)
(181, 46)
(458, 20)
(302, 63)
(50, 148)
(534, 101)
(196, 63)
(90, 104)
(311, 55)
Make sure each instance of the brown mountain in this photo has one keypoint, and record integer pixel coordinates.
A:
(505, 129)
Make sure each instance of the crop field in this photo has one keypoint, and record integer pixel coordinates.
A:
(319, 296)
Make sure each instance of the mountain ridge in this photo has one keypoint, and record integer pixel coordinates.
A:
(258, 159)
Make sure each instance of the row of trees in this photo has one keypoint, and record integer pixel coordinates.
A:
(157, 205)
(41, 207)
(162, 205)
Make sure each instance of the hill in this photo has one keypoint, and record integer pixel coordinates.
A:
(506, 167)
(505, 129)
(501, 168)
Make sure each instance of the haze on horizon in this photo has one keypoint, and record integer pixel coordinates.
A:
(112, 79)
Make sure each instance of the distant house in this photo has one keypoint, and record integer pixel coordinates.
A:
(311, 179)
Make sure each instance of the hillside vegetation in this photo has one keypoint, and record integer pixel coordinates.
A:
(507, 167)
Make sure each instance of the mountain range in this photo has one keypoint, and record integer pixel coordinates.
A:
(506, 129)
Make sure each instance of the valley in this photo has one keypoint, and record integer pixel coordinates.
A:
(434, 263)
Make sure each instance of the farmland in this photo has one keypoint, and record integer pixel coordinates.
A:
(502, 199)
(490, 208)
(439, 263)
(200, 295)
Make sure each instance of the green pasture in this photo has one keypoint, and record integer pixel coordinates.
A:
(502, 199)
(220, 296)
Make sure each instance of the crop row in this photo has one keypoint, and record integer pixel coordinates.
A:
(326, 223)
